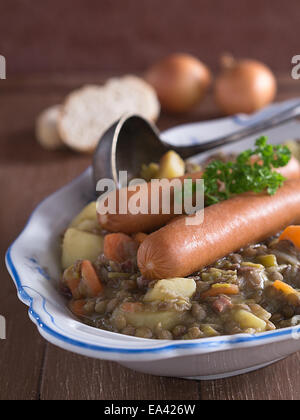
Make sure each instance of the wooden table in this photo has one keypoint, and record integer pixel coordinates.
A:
(33, 369)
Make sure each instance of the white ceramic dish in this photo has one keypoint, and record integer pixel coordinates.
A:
(33, 261)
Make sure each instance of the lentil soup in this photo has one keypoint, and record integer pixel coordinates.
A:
(237, 294)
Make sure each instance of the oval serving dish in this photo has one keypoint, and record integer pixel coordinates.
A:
(33, 261)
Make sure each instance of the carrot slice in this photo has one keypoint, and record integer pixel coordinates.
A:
(140, 237)
(291, 233)
(285, 288)
(71, 278)
(77, 307)
(290, 294)
(90, 278)
(119, 247)
(72, 284)
(221, 289)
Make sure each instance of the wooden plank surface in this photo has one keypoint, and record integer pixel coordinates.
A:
(106, 381)
(30, 368)
(276, 382)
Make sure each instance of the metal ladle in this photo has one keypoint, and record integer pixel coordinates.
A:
(133, 140)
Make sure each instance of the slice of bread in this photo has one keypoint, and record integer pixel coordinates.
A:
(46, 128)
(88, 112)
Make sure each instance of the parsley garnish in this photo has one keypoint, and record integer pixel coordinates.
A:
(225, 179)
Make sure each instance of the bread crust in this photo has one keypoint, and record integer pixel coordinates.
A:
(89, 111)
(46, 128)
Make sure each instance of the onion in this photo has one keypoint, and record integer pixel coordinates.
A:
(244, 86)
(180, 81)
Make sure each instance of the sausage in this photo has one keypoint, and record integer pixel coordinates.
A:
(178, 249)
(134, 223)
(291, 170)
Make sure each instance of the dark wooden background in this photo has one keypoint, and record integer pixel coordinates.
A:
(54, 46)
(127, 35)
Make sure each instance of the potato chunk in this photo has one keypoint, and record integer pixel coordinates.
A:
(268, 260)
(150, 319)
(169, 289)
(88, 213)
(248, 320)
(89, 225)
(79, 245)
(171, 165)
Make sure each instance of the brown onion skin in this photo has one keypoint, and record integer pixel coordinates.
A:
(244, 86)
(180, 80)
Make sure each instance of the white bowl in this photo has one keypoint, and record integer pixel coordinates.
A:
(33, 261)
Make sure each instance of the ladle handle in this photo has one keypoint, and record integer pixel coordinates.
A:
(270, 117)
